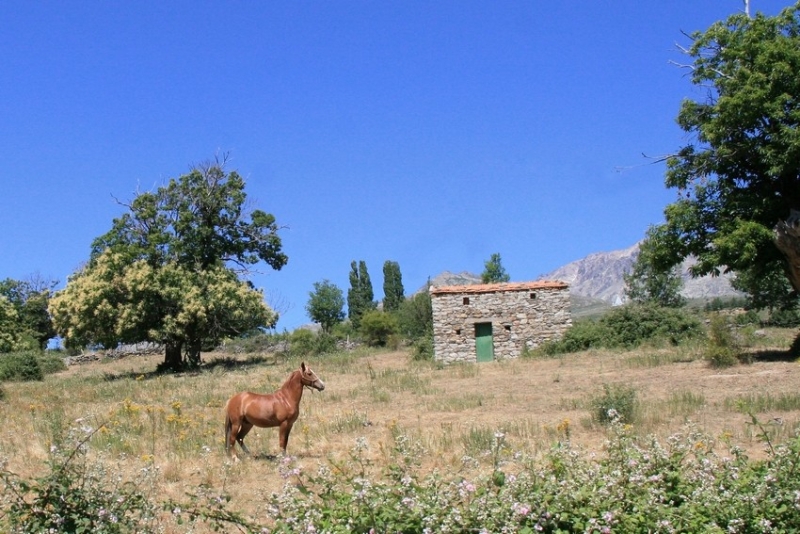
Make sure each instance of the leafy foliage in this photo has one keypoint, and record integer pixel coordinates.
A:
(26, 325)
(681, 485)
(360, 296)
(29, 365)
(377, 327)
(493, 271)
(393, 291)
(737, 176)
(647, 283)
(326, 305)
(163, 272)
(415, 316)
(617, 403)
(724, 348)
(75, 496)
(627, 327)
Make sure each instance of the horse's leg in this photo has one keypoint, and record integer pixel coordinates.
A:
(232, 429)
(286, 428)
(245, 427)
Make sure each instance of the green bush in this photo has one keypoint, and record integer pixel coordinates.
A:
(617, 403)
(724, 348)
(422, 348)
(20, 367)
(377, 327)
(628, 327)
(304, 342)
(50, 363)
(784, 318)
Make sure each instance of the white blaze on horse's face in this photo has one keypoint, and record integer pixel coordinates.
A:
(310, 378)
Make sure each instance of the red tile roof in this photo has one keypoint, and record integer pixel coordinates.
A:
(494, 288)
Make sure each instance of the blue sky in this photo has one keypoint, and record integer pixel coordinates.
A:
(428, 133)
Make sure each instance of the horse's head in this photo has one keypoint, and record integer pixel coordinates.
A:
(309, 378)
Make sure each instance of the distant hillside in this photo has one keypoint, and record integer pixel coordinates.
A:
(599, 276)
(596, 282)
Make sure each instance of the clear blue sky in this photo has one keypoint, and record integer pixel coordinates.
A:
(428, 133)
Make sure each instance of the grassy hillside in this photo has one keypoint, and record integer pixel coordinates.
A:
(386, 408)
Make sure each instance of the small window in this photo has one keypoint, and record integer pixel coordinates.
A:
(507, 327)
(458, 331)
(466, 301)
(533, 296)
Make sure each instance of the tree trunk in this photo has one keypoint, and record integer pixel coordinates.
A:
(787, 239)
(173, 356)
(193, 347)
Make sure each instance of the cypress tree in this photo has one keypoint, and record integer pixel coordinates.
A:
(360, 295)
(393, 292)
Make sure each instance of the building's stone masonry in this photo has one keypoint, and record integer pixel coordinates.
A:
(521, 314)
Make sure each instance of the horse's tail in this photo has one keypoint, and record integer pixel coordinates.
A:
(228, 427)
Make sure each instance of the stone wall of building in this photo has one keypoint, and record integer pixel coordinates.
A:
(521, 314)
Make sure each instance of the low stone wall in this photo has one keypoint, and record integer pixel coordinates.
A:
(522, 314)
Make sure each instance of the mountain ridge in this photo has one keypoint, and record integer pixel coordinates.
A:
(599, 277)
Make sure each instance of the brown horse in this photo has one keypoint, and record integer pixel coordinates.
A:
(245, 410)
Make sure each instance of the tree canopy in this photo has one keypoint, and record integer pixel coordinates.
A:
(646, 283)
(28, 323)
(393, 291)
(326, 305)
(738, 175)
(494, 271)
(360, 295)
(168, 270)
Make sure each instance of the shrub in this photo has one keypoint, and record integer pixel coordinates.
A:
(784, 318)
(74, 496)
(422, 348)
(20, 367)
(617, 403)
(377, 327)
(51, 363)
(304, 342)
(628, 327)
(724, 347)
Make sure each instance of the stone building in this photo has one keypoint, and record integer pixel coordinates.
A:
(485, 322)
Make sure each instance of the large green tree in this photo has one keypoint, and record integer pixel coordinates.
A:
(169, 270)
(738, 175)
(493, 271)
(30, 298)
(326, 305)
(646, 283)
(393, 291)
(360, 296)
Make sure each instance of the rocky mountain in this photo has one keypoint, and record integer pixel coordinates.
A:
(596, 280)
(599, 276)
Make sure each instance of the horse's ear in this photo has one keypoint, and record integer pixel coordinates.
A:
(303, 366)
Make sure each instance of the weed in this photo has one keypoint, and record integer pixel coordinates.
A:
(617, 403)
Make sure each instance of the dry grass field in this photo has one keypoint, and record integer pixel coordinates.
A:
(175, 422)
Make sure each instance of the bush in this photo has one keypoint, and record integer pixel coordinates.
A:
(784, 318)
(304, 342)
(617, 403)
(74, 496)
(20, 367)
(628, 327)
(724, 347)
(377, 327)
(422, 349)
(51, 363)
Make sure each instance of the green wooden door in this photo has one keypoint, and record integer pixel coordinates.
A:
(484, 347)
